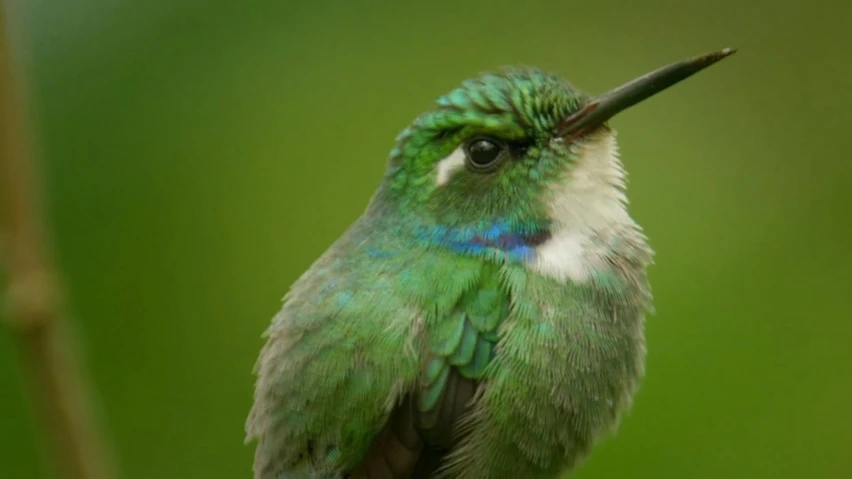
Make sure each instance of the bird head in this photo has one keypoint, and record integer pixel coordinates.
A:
(506, 160)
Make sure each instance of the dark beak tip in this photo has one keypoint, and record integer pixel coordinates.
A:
(702, 61)
(725, 52)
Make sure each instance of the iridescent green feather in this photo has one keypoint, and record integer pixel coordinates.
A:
(465, 339)
(582, 347)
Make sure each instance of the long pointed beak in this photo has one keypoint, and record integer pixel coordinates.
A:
(601, 108)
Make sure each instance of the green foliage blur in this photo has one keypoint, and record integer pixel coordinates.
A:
(200, 155)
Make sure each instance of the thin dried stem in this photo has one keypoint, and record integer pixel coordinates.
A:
(40, 329)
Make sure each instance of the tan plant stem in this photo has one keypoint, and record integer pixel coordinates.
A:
(57, 385)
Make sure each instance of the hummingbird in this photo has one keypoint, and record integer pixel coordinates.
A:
(484, 317)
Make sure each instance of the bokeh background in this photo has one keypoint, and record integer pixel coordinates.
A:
(199, 155)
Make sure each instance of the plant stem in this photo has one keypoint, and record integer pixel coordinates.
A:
(56, 382)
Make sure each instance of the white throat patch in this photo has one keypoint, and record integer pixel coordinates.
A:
(587, 208)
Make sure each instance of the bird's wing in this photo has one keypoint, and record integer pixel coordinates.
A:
(459, 343)
(339, 357)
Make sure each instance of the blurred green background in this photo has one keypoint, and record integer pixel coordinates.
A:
(199, 156)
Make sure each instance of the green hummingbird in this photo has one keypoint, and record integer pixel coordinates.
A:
(484, 317)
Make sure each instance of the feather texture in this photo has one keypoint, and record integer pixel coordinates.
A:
(449, 333)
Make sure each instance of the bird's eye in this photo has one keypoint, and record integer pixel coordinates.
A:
(483, 153)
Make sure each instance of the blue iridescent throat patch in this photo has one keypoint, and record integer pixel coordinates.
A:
(516, 245)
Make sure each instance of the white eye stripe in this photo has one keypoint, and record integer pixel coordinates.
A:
(449, 165)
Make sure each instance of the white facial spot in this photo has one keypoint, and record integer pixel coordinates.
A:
(587, 209)
(449, 165)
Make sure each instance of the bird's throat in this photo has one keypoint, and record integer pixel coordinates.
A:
(512, 241)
